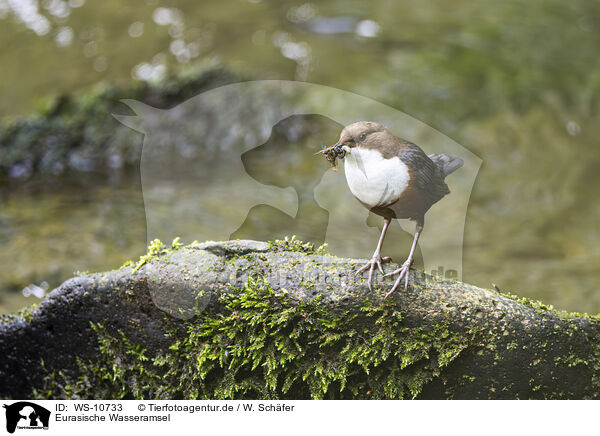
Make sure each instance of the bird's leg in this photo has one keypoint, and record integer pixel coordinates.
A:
(376, 259)
(404, 270)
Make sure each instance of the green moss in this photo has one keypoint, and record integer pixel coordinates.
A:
(127, 264)
(595, 365)
(544, 309)
(28, 313)
(155, 249)
(293, 244)
(264, 344)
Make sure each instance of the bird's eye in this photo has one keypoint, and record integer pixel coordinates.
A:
(362, 136)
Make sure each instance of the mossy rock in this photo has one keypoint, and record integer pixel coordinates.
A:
(79, 132)
(246, 319)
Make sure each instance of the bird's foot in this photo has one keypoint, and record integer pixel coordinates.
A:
(376, 260)
(404, 272)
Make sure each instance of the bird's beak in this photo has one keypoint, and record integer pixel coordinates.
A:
(343, 147)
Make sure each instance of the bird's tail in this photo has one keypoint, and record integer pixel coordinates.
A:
(446, 164)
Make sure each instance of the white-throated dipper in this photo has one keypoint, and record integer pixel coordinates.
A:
(393, 178)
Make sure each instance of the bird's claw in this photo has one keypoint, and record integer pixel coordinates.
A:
(404, 272)
(376, 260)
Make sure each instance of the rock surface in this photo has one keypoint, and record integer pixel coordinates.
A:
(473, 343)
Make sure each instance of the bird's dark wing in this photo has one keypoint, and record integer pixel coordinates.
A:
(425, 174)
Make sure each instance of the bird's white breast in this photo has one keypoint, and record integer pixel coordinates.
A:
(374, 180)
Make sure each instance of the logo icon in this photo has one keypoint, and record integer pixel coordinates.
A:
(26, 415)
(237, 162)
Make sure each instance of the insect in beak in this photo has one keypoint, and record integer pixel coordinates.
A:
(332, 153)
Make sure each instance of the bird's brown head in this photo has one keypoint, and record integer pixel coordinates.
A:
(366, 134)
(362, 134)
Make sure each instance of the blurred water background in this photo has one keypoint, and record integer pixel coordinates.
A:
(515, 82)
